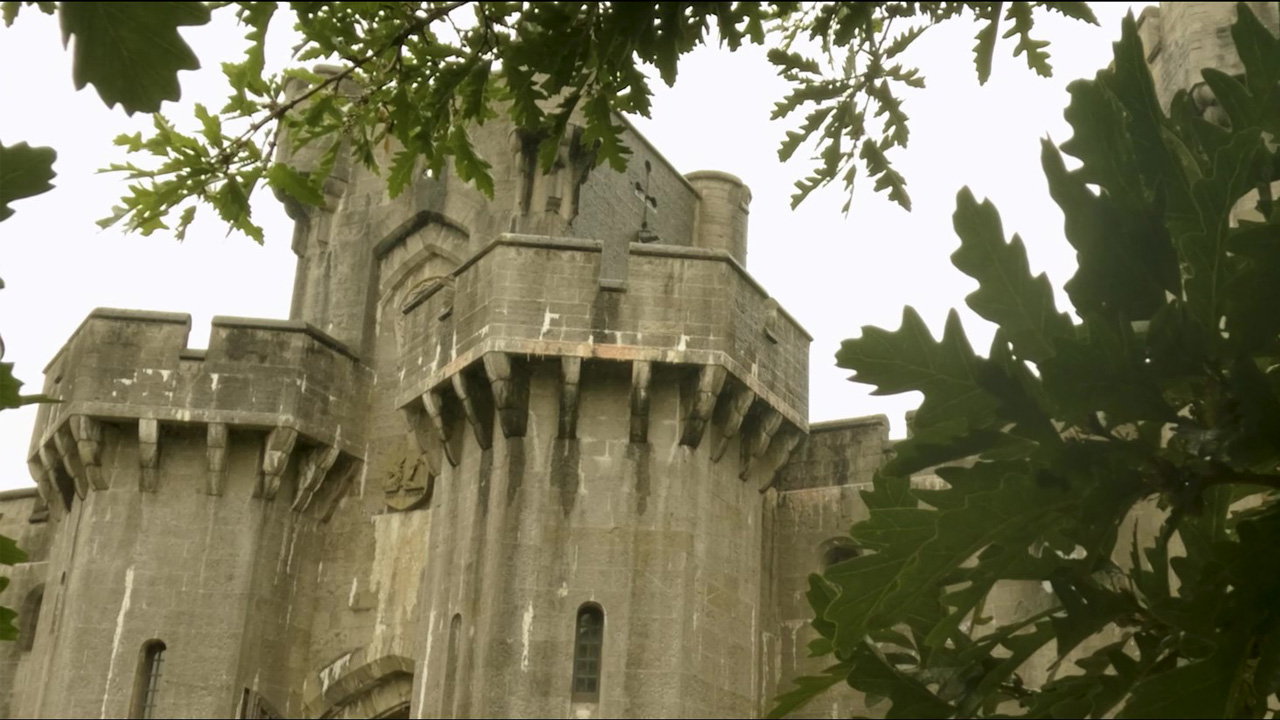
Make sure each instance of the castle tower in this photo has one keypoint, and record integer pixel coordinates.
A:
(507, 458)
(591, 408)
(541, 454)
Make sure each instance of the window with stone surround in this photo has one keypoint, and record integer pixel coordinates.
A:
(451, 667)
(147, 683)
(587, 646)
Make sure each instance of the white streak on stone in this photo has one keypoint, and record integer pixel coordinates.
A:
(426, 663)
(546, 322)
(526, 628)
(115, 643)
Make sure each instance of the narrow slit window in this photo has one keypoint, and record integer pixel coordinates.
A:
(588, 644)
(451, 667)
(150, 670)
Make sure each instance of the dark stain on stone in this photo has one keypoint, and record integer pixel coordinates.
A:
(604, 313)
(566, 458)
(482, 489)
(515, 467)
(639, 454)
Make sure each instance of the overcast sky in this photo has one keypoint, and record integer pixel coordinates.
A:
(833, 273)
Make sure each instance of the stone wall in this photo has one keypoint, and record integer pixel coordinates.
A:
(657, 534)
(175, 565)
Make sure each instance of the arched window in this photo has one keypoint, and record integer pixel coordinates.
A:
(451, 667)
(30, 618)
(147, 684)
(587, 645)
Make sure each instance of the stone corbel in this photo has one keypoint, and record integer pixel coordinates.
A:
(570, 379)
(510, 385)
(710, 380)
(148, 454)
(736, 412)
(88, 436)
(785, 444)
(758, 443)
(38, 475)
(216, 453)
(49, 462)
(275, 458)
(433, 401)
(66, 445)
(473, 404)
(641, 374)
(342, 483)
(315, 465)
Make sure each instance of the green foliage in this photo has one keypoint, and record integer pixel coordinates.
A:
(412, 78)
(9, 555)
(24, 171)
(131, 52)
(1162, 402)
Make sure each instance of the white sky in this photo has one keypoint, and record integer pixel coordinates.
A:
(834, 273)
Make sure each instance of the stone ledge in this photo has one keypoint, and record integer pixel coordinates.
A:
(595, 246)
(285, 326)
(18, 494)
(849, 423)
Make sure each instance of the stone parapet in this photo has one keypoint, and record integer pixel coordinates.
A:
(129, 368)
(537, 296)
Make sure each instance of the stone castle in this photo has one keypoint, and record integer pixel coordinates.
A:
(545, 455)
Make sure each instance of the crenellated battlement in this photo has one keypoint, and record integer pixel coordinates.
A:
(284, 382)
(470, 343)
(537, 296)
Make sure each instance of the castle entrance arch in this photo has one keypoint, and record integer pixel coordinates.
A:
(379, 689)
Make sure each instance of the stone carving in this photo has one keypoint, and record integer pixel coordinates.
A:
(409, 484)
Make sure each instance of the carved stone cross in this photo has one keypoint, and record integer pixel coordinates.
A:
(648, 201)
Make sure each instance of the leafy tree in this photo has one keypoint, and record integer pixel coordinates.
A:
(24, 171)
(1163, 401)
(426, 72)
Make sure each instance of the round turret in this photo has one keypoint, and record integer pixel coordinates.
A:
(723, 207)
